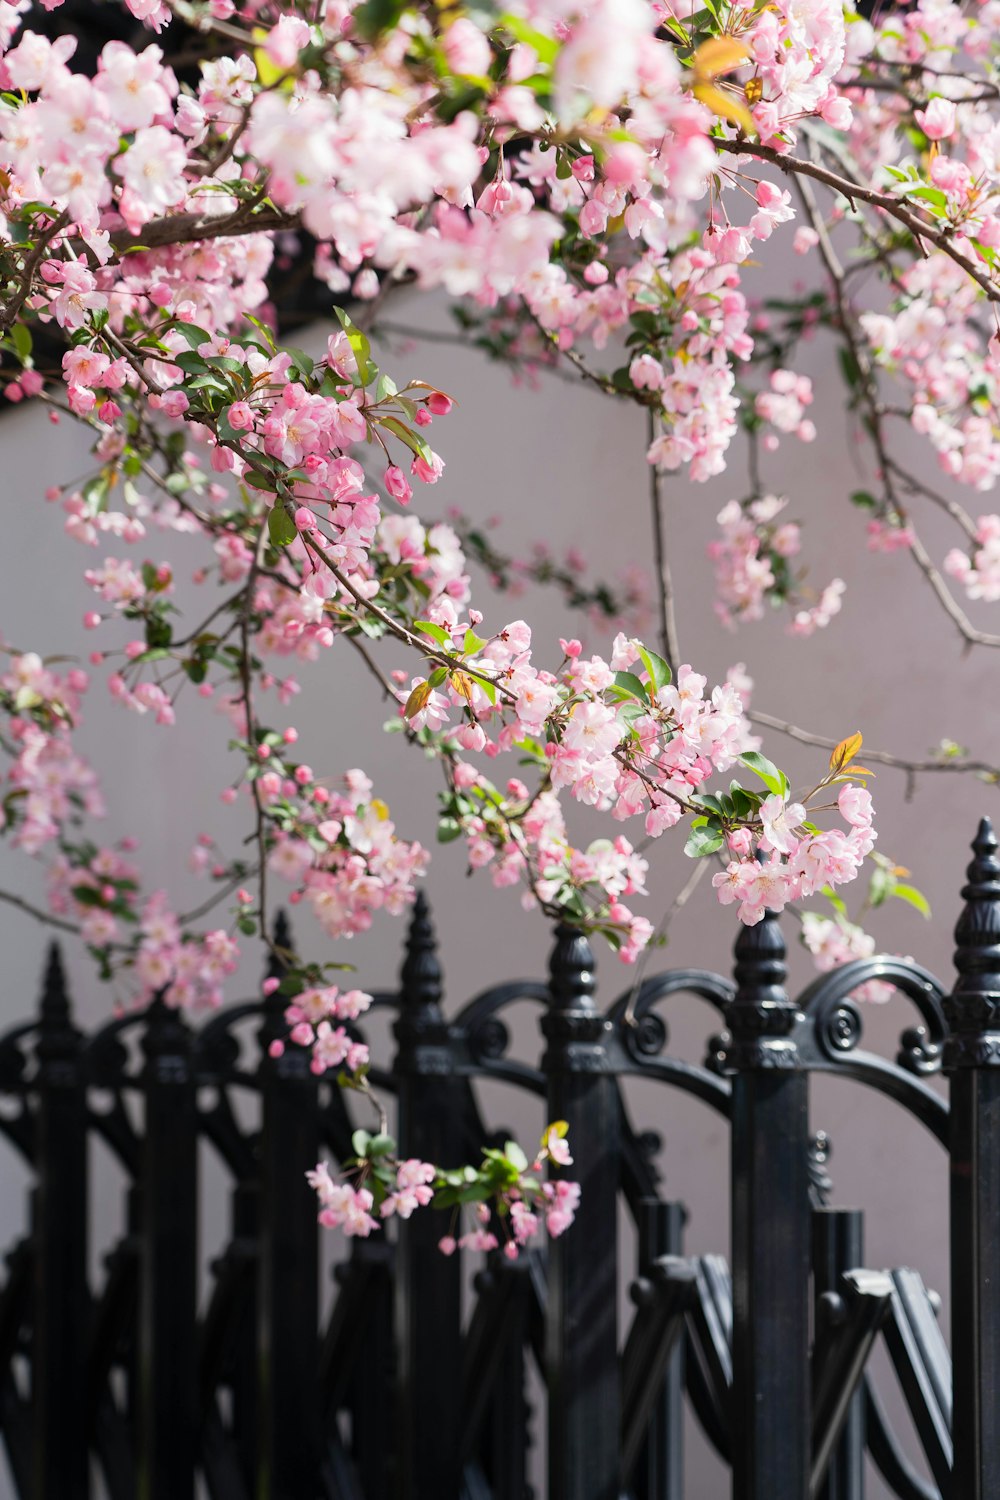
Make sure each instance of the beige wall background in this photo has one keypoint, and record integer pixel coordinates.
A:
(565, 466)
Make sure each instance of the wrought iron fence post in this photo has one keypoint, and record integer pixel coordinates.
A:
(60, 1316)
(167, 1365)
(432, 1126)
(770, 1226)
(660, 1470)
(972, 1058)
(838, 1246)
(288, 1400)
(582, 1328)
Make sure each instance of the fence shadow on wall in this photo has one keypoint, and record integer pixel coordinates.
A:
(405, 1394)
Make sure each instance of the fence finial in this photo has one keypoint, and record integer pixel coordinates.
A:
(973, 1008)
(761, 1017)
(571, 969)
(283, 942)
(421, 980)
(54, 1009)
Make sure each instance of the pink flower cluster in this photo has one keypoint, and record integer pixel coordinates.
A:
(342, 1205)
(339, 850)
(48, 782)
(979, 574)
(311, 1016)
(799, 863)
(834, 941)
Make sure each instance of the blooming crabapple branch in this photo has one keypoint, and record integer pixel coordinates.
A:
(868, 386)
(920, 228)
(401, 633)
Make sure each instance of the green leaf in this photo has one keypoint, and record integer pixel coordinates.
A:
(544, 47)
(658, 669)
(21, 335)
(768, 772)
(386, 387)
(630, 711)
(360, 346)
(437, 632)
(303, 364)
(189, 362)
(632, 685)
(834, 900)
(448, 830)
(95, 493)
(703, 841)
(473, 643)
(713, 804)
(192, 334)
(375, 17)
(413, 442)
(928, 194)
(280, 527)
(359, 1142)
(881, 886)
(515, 1156)
(913, 897)
(744, 802)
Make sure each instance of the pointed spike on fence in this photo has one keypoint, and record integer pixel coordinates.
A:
(572, 979)
(55, 1003)
(977, 932)
(421, 979)
(277, 967)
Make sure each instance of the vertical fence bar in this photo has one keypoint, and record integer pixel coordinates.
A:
(372, 1390)
(509, 1411)
(245, 1205)
(838, 1246)
(770, 1226)
(659, 1473)
(432, 1126)
(60, 1316)
(582, 1329)
(972, 1058)
(288, 1393)
(168, 1369)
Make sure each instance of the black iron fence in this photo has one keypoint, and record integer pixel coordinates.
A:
(417, 1387)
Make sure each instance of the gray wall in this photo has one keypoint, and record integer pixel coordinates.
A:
(566, 466)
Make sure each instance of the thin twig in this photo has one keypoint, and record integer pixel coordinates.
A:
(664, 581)
(39, 914)
(681, 900)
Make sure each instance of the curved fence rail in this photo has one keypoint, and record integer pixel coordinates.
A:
(428, 1382)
